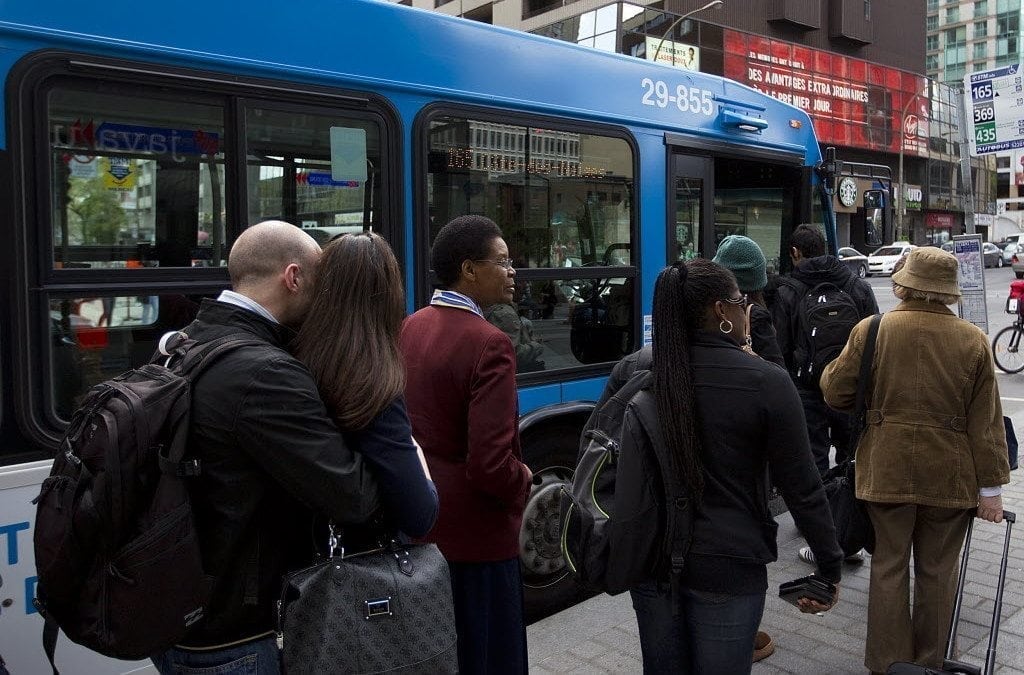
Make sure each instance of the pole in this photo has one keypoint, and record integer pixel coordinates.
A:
(713, 3)
(902, 197)
(966, 179)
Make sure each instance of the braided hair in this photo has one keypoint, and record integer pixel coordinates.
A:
(683, 294)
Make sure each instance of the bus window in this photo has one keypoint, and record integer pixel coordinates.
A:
(93, 339)
(289, 172)
(689, 197)
(756, 200)
(138, 179)
(561, 198)
(564, 201)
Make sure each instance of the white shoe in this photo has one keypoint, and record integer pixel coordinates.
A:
(807, 555)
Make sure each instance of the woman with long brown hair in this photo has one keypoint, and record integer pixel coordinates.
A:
(349, 342)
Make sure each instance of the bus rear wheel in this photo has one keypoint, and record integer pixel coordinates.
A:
(548, 585)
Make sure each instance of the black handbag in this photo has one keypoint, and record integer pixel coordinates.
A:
(384, 611)
(854, 530)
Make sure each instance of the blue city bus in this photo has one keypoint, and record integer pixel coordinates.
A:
(137, 142)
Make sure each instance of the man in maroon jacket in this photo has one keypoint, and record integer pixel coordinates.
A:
(461, 393)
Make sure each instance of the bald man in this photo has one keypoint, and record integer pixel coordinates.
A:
(271, 457)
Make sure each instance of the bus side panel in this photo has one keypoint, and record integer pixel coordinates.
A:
(653, 232)
(21, 627)
(537, 397)
(583, 390)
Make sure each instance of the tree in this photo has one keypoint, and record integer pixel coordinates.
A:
(95, 215)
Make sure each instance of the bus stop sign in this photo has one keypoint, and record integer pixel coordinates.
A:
(995, 109)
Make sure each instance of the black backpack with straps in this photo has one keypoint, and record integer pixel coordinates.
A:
(628, 517)
(825, 316)
(117, 555)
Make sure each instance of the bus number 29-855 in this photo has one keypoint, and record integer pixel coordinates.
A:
(687, 99)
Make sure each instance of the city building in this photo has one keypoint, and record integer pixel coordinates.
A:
(967, 37)
(857, 67)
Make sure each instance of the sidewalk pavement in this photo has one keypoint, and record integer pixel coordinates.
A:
(600, 634)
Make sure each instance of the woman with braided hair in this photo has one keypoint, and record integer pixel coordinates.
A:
(728, 417)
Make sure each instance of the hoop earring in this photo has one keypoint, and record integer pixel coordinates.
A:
(721, 326)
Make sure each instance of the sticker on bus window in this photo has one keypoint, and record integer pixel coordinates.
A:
(348, 154)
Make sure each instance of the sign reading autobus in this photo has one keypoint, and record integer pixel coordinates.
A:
(996, 109)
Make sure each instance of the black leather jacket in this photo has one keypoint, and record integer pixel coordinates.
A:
(271, 459)
(750, 420)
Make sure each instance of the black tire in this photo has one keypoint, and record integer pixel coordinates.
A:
(862, 271)
(548, 585)
(999, 262)
(1019, 275)
(1006, 350)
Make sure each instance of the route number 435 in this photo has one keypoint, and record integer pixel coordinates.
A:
(985, 133)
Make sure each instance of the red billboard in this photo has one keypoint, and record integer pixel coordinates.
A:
(853, 103)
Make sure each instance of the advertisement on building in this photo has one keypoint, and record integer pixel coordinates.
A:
(853, 103)
(678, 54)
(1017, 165)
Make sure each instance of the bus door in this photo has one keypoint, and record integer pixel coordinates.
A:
(763, 197)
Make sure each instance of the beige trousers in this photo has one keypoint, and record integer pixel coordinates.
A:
(934, 536)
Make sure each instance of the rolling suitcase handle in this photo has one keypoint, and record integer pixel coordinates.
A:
(990, 656)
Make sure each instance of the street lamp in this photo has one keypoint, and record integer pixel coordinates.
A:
(713, 3)
(902, 189)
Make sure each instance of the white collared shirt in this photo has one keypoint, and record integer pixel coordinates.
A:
(239, 300)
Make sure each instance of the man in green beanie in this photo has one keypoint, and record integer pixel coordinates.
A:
(744, 258)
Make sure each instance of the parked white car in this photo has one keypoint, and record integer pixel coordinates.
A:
(883, 259)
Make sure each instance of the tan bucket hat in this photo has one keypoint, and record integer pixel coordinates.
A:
(929, 270)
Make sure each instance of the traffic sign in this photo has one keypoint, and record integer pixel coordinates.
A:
(996, 109)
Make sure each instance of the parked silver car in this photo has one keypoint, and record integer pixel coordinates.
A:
(854, 259)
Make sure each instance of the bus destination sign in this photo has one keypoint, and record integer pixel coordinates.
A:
(995, 109)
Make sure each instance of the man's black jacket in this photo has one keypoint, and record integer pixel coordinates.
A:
(271, 459)
(806, 275)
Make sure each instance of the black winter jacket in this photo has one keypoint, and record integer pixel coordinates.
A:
(271, 459)
(762, 336)
(808, 274)
(750, 420)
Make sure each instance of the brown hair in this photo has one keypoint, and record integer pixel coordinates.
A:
(349, 340)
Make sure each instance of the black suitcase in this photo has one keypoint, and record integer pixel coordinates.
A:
(951, 666)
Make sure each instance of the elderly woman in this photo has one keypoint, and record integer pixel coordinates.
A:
(933, 453)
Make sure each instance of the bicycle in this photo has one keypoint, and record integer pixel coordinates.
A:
(1006, 345)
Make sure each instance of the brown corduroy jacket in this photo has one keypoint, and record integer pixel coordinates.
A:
(934, 431)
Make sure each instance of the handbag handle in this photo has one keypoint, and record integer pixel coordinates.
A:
(333, 541)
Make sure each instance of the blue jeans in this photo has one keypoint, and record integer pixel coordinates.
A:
(713, 633)
(260, 657)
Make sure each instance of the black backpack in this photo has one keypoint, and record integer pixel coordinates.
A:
(627, 518)
(117, 555)
(825, 315)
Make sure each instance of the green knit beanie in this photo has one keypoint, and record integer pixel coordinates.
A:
(744, 258)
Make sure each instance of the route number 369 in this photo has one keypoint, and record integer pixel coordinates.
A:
(686, 99)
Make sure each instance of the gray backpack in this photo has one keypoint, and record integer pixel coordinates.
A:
(628, 517)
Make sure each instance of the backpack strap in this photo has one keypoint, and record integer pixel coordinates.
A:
(195, 357)
(50, 633)
(678, 501)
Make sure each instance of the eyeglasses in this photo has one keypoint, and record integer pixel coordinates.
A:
(741, 301)
(503, 262)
